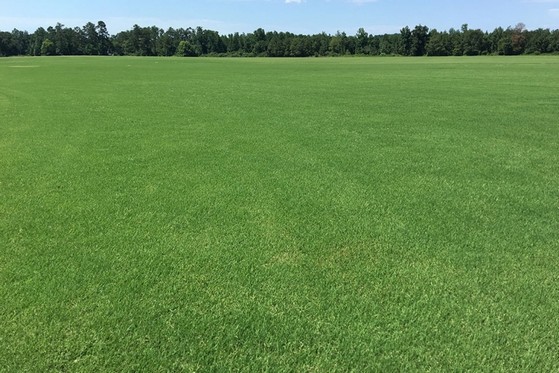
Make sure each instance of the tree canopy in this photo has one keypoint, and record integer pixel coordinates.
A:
(93, 39)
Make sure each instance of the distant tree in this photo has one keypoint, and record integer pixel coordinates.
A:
(91, 39)
(406, 41)
(362, 42)
(494, 40)
(141, 41)
(104, 39)
(167, 43)
(420, 37)
(473, 41)
(439, 44)
(456, 44)
(59, 38)
(390, 44)
(505, 45)
(538, 41)
(138, 43)
(20, 42)
(36, 41)
(321, 43)
(518, 38)
(337, 45)
(511, 41)
(554, 41)
(276, 48)
(300, 47)
(233, 43)
(122, 43)
(185, 49)
(200, 41)
(48, 48)
(349, 43)
(374, 45)
(5, 44)
(260, 43)
(215, 44)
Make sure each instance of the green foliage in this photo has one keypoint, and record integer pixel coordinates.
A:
(153, 41)
(5, 44)
(405, 41)
(439, 44)
(419, 39)
(48, 48)
(349, 214)
(186, 49)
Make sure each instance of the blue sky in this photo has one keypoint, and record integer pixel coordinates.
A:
(298, 16)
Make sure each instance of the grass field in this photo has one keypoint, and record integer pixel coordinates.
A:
(283, 215)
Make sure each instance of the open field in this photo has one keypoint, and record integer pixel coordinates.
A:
(279, 214)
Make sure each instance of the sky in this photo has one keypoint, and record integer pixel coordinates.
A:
(297, 16)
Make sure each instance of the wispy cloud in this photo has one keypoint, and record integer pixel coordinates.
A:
(361, 2)
(293, 1)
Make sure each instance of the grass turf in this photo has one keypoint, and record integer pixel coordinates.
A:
(279, 214)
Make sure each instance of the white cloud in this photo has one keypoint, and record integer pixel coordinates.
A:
(554, 12)
(360, 2)
(293, 1)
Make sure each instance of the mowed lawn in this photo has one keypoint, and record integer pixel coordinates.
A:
(282, 215)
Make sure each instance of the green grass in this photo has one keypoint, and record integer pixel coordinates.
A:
(283, 215)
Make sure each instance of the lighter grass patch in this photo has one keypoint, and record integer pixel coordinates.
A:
(286, 258)
(4, 101)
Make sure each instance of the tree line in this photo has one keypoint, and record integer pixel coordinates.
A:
(94, 39)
